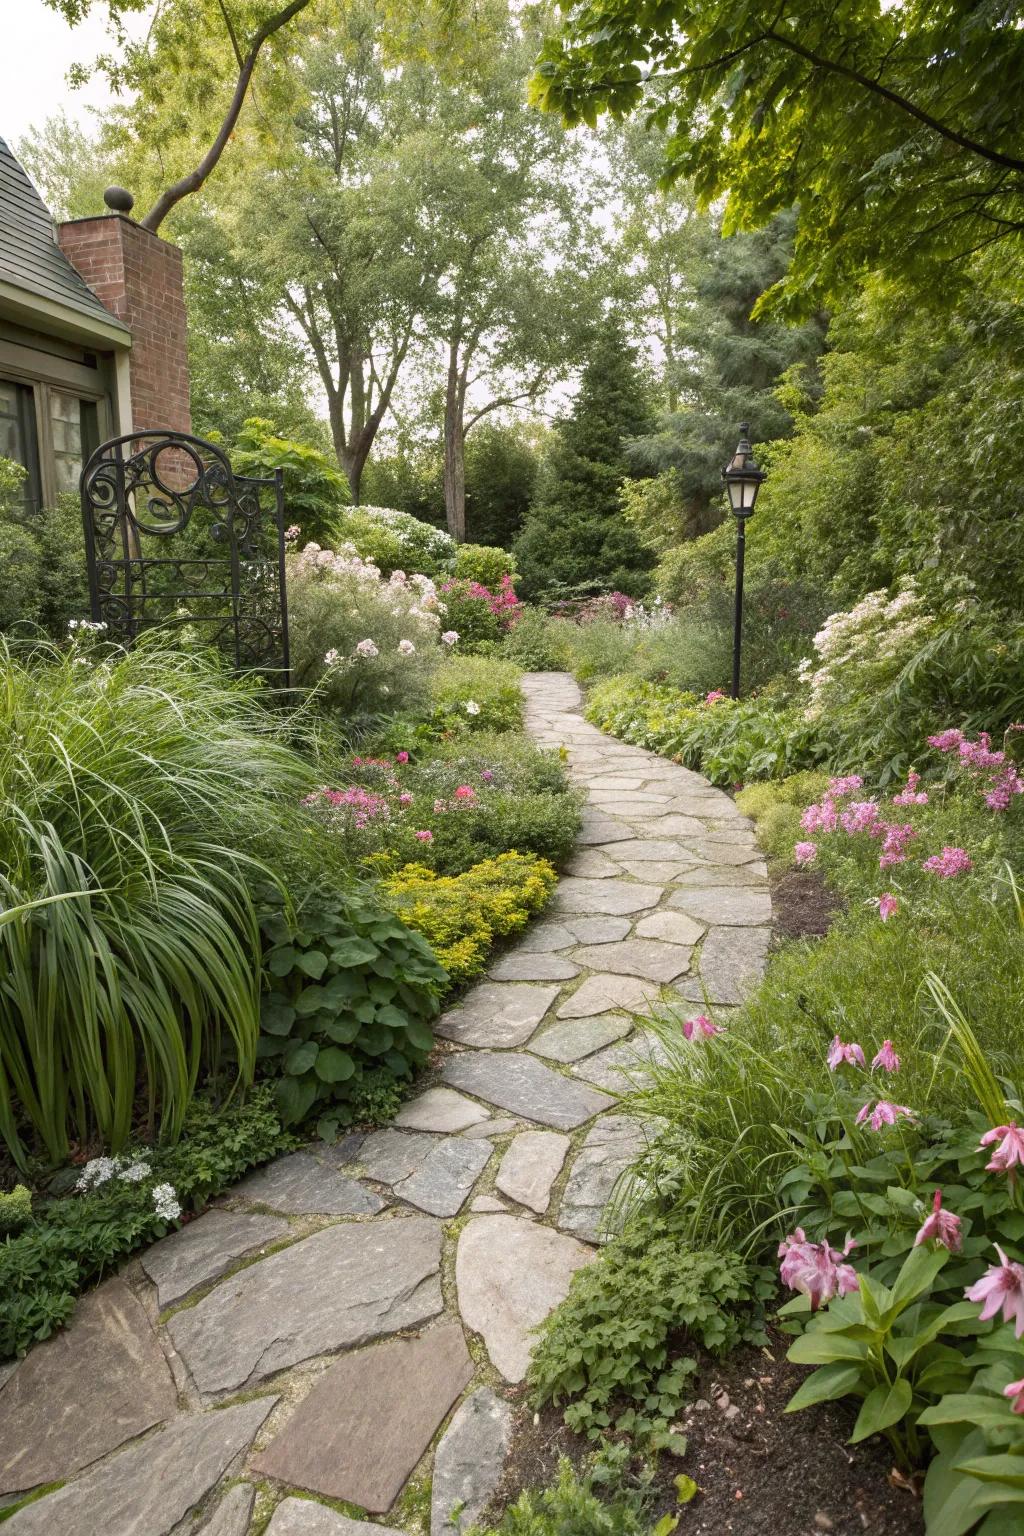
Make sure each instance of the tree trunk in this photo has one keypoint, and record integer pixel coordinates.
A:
(454, 450)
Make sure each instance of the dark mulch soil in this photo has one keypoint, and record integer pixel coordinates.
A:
(760, 1471)
(802, 904)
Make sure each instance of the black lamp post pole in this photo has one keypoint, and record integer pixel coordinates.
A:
(737, 627)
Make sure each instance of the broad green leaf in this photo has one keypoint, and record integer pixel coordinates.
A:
(980, 1409)
(816, 1347)
(883, 1407)
(312, 963)
(419, 1035)
(295, 1097)
(334, 1065)
(276, 1015)
(824, 1385)
(354, 951)
(343, 1030)
(919, 1271)
(999, 1468)
(281, 961)
(301, 1057)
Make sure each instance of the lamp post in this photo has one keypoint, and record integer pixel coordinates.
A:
(742, 483)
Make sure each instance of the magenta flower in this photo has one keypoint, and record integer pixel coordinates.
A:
(1001, 1288)
(814, 1269)
(465, 792)
(950, 862)
(911, 795)
(487, 775)
(820, 818)
(845, 786)
(886, 1058)
(860, 816)
(941, 1227)
(1010, 1151)
(805, 853)
(897, 836)
(1015, 1391)
(425, 836)
(838, 1052)
(701, 1025)
(401, 757)
(885, 1112)
(888, 906)
(946, 741)
(714, 696)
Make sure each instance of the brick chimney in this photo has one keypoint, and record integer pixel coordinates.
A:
(138, 277)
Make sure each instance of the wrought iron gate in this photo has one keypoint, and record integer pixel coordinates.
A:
(173, 537)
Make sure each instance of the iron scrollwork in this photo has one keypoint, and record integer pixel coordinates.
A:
(174, 537)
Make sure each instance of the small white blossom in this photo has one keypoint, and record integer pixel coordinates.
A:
(472, 707)
(330, 657)
(165, 1202)
(449, 637)
(407, 648)
(367, 648)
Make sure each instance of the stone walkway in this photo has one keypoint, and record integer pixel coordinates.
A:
(296, 1352)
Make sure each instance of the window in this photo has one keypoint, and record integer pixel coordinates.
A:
(73, 435)
(18, 436)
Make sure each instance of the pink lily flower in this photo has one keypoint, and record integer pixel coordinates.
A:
(888, 906)
(886, 1058)
(941, 1227)
(1010, 1151)
(838, 1052)
(1001, 1288)
(701, 1025)
(885, 1112)
(814, 1269)
(1015, 1391)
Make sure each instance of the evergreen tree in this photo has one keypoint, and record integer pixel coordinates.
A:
(575, 535)
(729, 368)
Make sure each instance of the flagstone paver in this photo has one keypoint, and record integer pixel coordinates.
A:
(519, 1135)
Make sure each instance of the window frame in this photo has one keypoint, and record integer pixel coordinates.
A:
(43, 371)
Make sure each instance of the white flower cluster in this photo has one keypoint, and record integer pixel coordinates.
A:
(165, 1202)
(100, 1170)
(418, 535)
(872, 633)
(86, 626)
(637, 616)
(414, 596)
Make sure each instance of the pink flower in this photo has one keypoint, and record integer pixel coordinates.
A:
(860, 816)
(950, 862)
(911, 795)
(1010, 1151)
(888, 906)
(1015, 1391)
(439, 807)
(885, 1112)
(401, 757)
(813, 1268)
(941, 1226)
(1001, 1288)
(845, 786)
(946, 741)
(465, 792)
(805, 853)
(425, 836)
(405, 798)
(487, 775)
(701, 1025)
(894, 848)
(838, 1053)
(714, 696)
(820, 818)
(886, 1058)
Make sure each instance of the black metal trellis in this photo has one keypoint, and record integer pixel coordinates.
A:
(174, 537)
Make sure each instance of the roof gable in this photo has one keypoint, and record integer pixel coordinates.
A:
(30, 257)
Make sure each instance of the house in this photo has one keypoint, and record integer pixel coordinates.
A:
(93, 337)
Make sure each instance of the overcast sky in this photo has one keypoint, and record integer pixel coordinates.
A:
(38, 48)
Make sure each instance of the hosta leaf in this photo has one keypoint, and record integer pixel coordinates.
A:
(354, 951)
(312, 963)
(295, 1097)
(334, 1065)
(281, 961)
(824, 1385)
(301, 1057)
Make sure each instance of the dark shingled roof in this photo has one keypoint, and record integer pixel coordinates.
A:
(30, 257)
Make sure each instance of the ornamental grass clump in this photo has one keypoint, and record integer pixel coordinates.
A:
(137, 787)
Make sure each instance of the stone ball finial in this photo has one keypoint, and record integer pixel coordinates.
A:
(118, 200)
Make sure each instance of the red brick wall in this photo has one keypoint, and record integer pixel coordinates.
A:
(137, 276)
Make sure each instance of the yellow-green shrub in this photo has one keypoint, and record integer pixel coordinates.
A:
(776, 808)
(461, 916)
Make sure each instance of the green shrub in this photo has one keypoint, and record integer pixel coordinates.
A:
(484, 563)
(43, 553)
(136, 786)
(15, 1209)
(461, 916)
(395, 540)
(351, 994)
(619, 1351)
(71, 1242)
(537, 643)
(776, 809)
(315, 490)
(728, 740)
(575, 1506)
(599, 648)
(476, 693)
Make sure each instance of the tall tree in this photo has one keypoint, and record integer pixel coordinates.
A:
(895, 129)
(575, 536)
